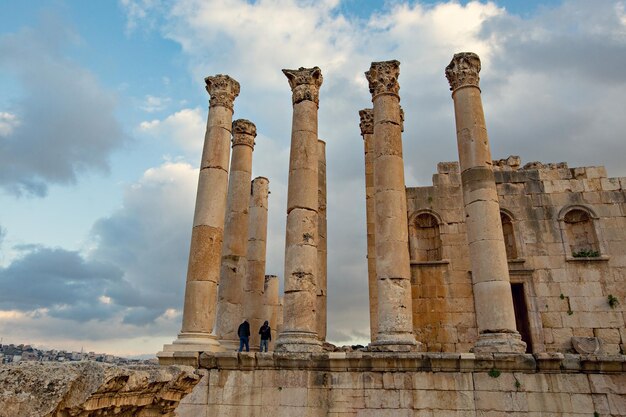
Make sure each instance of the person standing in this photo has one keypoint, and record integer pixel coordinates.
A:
(244, 334)
(266, 335)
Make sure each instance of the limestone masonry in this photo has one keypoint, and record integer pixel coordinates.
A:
(499, 290)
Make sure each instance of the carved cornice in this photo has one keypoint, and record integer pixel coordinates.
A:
(244, 132)
(463, 71)
(367, 121)
(222, 89)
(305, 84)
(383, 78)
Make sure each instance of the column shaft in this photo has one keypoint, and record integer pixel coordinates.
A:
(208, 228)
(300, 300)
(490, 273)
(271, 302)
(395, 316)
(254, 301)
(322, 254)
(234, 263)
(367, 131)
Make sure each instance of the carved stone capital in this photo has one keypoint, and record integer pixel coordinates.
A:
(222, 89)
(367, 121)
(244, 132)
(383, 78)
(305, 84)
(463, 71)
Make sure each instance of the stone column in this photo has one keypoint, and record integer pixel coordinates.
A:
(300, 300)
(395, 315)
(234, 263)
(271, 302)
(367, 130)
(254, 302)
(322, 254)
(208, 224)
(490, 273)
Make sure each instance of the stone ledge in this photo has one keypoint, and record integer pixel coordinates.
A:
(414, 361)
(431, 263)
(588, 259)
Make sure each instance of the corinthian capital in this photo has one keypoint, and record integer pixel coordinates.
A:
(383, 78)
(463, 70)
(222, 89)
(244, 132)
(367, 121)
(305, 84)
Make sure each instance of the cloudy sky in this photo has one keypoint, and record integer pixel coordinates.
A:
(102, 114)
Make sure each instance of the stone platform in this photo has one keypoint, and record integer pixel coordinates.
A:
(368, 384)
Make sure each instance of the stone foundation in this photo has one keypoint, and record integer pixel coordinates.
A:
(372, 384)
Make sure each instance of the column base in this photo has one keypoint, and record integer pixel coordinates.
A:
(395, 343)
(186, 349)
(499, 342)
(294, 341)
(229, 345)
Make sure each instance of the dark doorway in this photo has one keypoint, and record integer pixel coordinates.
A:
(521, 314)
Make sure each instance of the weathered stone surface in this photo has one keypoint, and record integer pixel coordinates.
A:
(356, 383)
(490, 272)
(300, 321)
(230, 297)
(85, 389)
(199, 309)
(395, 330)
(322, 254)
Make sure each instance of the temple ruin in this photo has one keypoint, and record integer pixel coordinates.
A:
(498, 289)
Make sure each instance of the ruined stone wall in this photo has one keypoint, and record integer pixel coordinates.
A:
(89, 389)
(565, 233)
(368, 384)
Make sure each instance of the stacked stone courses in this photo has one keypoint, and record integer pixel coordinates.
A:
(567, 297)
(373, 384)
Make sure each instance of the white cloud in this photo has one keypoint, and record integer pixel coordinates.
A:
(67, 124)
(8, 122)
(153, 104)
(185, 128)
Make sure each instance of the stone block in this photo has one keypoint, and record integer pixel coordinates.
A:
(381, 398)
(596, 172)
(610, 184)
(600, 403)
(550, 402)
(608, 335)
(191, 410)
(295, 397)
(569, 383)
(484, 382)
(608, 384)
(493, 400)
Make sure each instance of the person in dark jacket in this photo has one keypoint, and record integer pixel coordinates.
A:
(266, 335)
(244, 334)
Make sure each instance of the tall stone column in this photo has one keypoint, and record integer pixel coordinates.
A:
(234, 263)
(395, 316)
(254, 302)
(367, 131)
(490, 273)
(208, 225)
(300, 300)
(271, 301)
(322, 253)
